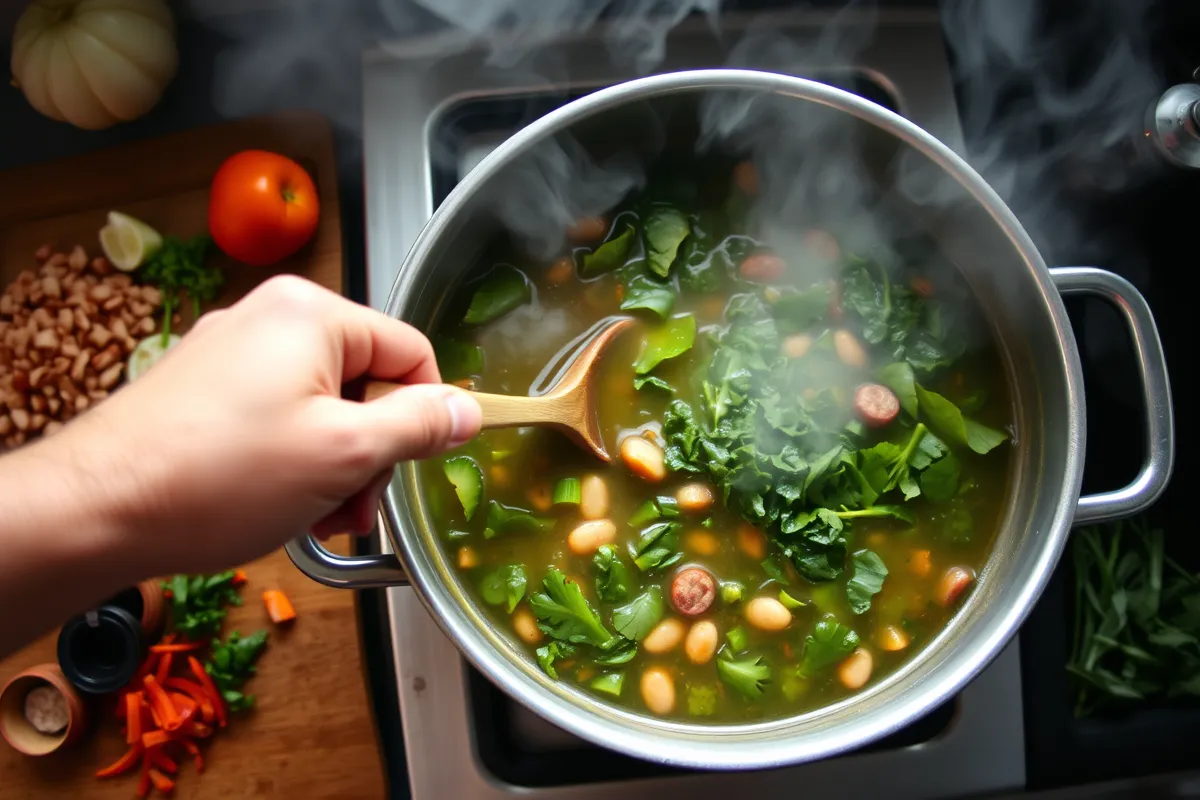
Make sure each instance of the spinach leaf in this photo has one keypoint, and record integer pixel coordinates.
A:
(614, 582)
(797, 310)
(638, 617)
(647, 293)
(674, 337)
(652, 381)
(871, 300)
(829, 643)
(749, 676)
(939, 482)
(867, 580)
(622, 652)
(564, 613)
(666, 228)
(547, 654)
(510, 519)
(656, 547)
(899, 378)
(816, 544)
(654, 509)
(457, 359)
(705, 266)
(502, 291)
(504, 586)
(609, 255)
(945, 418)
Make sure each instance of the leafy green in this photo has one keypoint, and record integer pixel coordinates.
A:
(564, 613)
(945, 418)
(231, 663)
(1137, 619)
(654, 509)
(829, 643)
(749, 675)
(939, 482)
(621, 651)
(550, 653)
(457, 359)
(609, 255)
(467, 478)
(608, 683)
(797, 310)
(504, 586)
(900, 379)
(650, 294)
(638, 617)
(867, 580)
(701, 700)
(653, 381)
(198, 603)
(178, 269)
(737, 639)
(790, 602)
(656, 547)
(614, 583)
(504, 289)
(510, 519)
(674, 337)
(709, 260)
(665, 229)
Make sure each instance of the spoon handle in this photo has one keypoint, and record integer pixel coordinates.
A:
(501, 410)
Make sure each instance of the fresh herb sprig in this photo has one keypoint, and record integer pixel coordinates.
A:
(180, 272)
(231, 664)
(198, 603)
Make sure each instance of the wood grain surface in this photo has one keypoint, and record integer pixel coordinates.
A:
(312, 734)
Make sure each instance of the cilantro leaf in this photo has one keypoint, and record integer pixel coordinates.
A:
(548, 654)
(564, 613)
(829, 643)
(749, 675)
(504, 586)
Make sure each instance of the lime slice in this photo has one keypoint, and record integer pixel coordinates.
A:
(149, 351)
(128, 242)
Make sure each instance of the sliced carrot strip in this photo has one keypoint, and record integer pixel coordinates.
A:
(161, 703)
(160, 781)
(206, 682)
(163, 761)
(183, 703)
(155, 739)
(133, 717)
(194, 750)
(143, 788)
(122, 764)
(183, 647)
(164, 667)
(279, 607)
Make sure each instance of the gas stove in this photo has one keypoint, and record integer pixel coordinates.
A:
(429, 117)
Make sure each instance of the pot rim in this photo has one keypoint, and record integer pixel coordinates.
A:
(707, 746)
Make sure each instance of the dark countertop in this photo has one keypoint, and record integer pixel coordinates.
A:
(1135, 230)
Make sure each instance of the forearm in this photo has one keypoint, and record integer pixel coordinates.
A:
(63, 547)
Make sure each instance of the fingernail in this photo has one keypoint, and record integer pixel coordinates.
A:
(465, 417)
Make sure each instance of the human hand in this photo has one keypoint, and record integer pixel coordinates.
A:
(239, 439)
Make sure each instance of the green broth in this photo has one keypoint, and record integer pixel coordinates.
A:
(521, 468)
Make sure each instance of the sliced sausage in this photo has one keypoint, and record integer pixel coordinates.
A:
(953, 584)
(762, 268)
(876, 404)
(693, 591)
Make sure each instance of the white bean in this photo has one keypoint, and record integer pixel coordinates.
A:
(701, 642)
(658, 690)
(526, 626)
(694, 498)
(855, 671)
(797, 345)
(892, 638)
(589, 536)
(848, 349)
(768, 614)
(664, 637)
(593, 497)
(644, 458)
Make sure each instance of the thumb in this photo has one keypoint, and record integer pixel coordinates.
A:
(420, 421)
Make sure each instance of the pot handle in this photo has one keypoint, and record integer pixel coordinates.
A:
(346, 572)
(1152, 369)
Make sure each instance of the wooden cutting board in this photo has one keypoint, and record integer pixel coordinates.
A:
(311, 735)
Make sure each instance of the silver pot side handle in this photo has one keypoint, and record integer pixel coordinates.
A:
(1159, 421)
(346, 572)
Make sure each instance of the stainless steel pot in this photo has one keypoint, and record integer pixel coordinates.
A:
(1018, 294)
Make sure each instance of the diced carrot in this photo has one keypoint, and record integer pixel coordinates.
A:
(194, 750)
(560, 271)
(122, 764)
(239, 578)
(133, 717)
(206, 682)
(155, 739)
(920, 563)
(279, 607)
(161, 782)
(163, 761)
(183, 647)
(164, 667)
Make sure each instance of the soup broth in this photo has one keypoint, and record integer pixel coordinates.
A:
(810, 459)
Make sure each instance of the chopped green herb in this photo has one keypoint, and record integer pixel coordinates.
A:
(231, 663)
(198, 603)
(638, 617)
(510, 519)
(748, 675)
(653, 381)
(564, 613)
(550, 653)
(504, 586)
(614, 583)
(178, 269)
(829, 643)
(656, 547)
(467, 478)
(867, 580)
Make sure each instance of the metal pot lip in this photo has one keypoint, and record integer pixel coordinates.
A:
(705, 747)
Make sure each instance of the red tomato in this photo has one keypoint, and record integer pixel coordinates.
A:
(262, 208)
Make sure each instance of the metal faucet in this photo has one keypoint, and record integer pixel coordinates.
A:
(1173, 124)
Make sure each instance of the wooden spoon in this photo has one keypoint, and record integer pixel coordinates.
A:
(569, 406)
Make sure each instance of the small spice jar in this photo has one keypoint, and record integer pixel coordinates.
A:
(146, 603)
(40, 711)
(100, 651)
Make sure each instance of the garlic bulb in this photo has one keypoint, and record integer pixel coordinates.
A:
(94, 63)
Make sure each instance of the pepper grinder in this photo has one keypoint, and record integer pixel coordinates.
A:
(100, 650)
(1173, 124)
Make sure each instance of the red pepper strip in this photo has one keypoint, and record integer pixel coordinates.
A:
(170, 637)
(197, 693)
(154, 717)
(133, 717)
(143, 787)
(206, 682)
(161, 782)
(155, 739)
(194, 750)
(162, 703)
(185, 647)
(164, 667)
(122, 764)
(163, 761)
